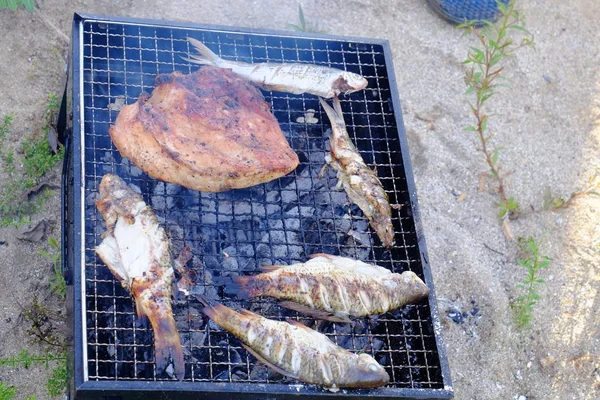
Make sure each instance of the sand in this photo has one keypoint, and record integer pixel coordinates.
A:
(547, 122)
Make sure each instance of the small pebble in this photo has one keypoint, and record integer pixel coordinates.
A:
(521, 397)
(456, 316)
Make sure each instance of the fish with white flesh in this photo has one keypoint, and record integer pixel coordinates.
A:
(294, 350)
(333, 288)
(136, 249)
(360, 182)
(293, 78)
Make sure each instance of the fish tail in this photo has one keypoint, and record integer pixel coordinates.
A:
(223, 316)
(206, 57)
(167, 346)
(242, 287)
(335, 114)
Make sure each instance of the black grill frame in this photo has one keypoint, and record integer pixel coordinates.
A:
(74, 237)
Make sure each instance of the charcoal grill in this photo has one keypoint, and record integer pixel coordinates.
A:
(114, 60)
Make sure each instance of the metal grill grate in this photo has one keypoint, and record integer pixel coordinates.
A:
(236, 232)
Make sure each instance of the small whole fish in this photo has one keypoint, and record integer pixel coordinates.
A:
(333, 287)
(360, 182)
(293, 77)
(137, 252)
(294, 350)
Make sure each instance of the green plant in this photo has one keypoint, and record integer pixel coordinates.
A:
(592, 188)
(42, 324)
(7, 392)
(36, 158)
(57, 382)
(13, 5)
(304, 27)
(58, 285)
(6, 124)
(26, 360)
(483, 79)
(533, 263)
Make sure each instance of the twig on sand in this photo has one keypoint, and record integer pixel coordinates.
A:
(495, 251)
(47, 22)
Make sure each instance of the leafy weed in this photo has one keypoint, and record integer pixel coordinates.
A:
(14, 5)
(57, 382)
(533, 263)
(58, 285)
(304, 26)
(7, 392)
(484, 78)
(36, 158)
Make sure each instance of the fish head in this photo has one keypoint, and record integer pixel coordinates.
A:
(366, 373)
(350, 82)
(418, 288)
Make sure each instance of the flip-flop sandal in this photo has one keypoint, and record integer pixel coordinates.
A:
(459, 11)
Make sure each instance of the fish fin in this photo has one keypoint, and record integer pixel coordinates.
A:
(298, 324)
(167, 346)
(317, 314)
(322, 170)
(267, 362)
(240, 286)
(329, 256)
(271, 268)
(203, 300)
(207, 56)
(108, 251)
(249, 313)
(184, 257)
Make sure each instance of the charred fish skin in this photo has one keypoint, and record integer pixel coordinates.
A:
(334, 288)
(360, 182)
(292, 78)
(136, 249)
(297, 351)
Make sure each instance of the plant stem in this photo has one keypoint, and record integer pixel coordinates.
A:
(486, 85)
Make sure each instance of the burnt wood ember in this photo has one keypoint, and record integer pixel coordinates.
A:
(236, 232)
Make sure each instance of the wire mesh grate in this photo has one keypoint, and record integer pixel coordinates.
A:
(236, 232)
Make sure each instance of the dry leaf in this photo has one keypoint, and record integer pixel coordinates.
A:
(461, 198)
(33, 233)
(482, 181)
(53, 139)
(507, 230)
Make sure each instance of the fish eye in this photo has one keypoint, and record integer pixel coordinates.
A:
(373, 368)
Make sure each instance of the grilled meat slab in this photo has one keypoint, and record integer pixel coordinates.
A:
(137, 252)
(209, 131)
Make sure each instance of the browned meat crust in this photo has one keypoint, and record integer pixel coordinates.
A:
(209, 131)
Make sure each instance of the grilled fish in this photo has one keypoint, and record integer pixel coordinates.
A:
(137, 252)
(360, 182)
(333, 287)
(297, 351)
(293, 78)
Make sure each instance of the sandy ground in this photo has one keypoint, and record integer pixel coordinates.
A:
(548, 123)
